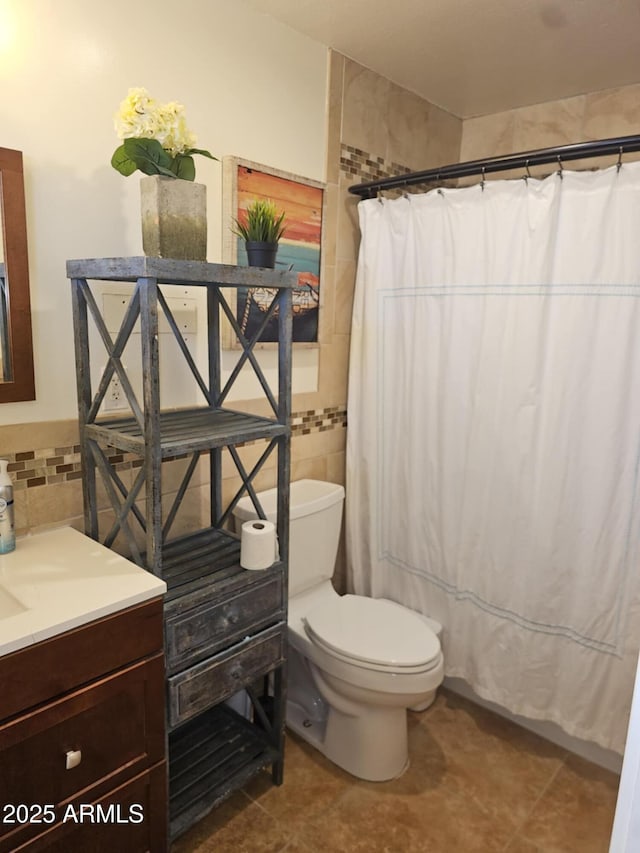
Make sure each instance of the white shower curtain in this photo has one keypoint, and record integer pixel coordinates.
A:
(493, 446)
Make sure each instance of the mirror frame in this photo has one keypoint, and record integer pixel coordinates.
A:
(14, 233)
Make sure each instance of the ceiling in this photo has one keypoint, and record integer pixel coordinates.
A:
(475, 57)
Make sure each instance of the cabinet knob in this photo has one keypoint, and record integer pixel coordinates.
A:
(73, 758)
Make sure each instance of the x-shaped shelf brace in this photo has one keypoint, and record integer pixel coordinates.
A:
(247, 480)
(123, 500)
(247, 350)
(116, 490)
(116, 348)
(114, 352)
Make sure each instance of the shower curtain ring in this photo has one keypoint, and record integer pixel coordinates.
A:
(619, 163)
(560, 168)
(526, 166)
(482, 182)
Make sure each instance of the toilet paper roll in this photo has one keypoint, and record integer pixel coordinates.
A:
(257, 544)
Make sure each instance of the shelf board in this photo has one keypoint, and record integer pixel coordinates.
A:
(170, 271)
(197, 560)
(209, 758)
(186, 430)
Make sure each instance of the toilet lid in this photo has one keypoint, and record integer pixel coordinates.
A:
(373, 631)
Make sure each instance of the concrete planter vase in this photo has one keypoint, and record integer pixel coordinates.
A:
(174, 218)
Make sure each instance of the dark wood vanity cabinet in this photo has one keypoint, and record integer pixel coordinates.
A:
(225, 627)
(82, 739)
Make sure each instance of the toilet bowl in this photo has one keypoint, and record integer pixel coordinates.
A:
(436, 627)
(365, 679)
(355, 663)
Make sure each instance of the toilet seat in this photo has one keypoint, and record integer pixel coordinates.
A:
(373, 634)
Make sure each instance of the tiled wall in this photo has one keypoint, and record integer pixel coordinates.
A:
(600, 115)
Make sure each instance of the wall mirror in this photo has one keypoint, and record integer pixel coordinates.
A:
(16, 346)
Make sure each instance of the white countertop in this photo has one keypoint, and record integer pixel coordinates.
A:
(60, 579)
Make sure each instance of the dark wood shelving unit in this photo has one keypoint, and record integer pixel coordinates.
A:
(225, 627)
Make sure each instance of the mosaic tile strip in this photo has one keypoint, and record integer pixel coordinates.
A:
(368, 167)
(51, 465)
(321, 420)
(354, 162)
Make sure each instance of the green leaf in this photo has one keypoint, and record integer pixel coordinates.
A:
(184, 167)
(241, 230)
(122, 163)
(201, 151)
(149, 156)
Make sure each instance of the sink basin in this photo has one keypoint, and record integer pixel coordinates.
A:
(9, 604)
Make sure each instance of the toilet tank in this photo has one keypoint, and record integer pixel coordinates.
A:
(315, 518)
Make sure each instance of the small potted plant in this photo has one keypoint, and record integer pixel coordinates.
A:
(261, 228)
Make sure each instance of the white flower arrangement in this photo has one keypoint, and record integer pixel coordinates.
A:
(156, 139)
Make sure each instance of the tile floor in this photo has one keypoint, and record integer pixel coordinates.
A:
(476, 782)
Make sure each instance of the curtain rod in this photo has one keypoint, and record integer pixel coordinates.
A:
(577, 151)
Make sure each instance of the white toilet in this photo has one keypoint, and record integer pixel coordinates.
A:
(355, 664)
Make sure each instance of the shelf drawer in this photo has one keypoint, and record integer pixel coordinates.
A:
(210, 682)
(116, 724)
(196, 634)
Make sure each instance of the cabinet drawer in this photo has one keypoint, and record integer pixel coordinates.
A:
(219, 677)
(129, 819)
(117, 724)
(213, 625)
(35, 674)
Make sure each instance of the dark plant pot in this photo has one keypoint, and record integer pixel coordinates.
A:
(261, 254)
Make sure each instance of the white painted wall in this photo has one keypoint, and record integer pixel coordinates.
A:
(251, 87)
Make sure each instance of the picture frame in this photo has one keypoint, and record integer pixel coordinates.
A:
(302, 200)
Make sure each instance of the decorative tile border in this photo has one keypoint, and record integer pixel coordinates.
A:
(44, 467)
(48, 466)
(367, 167)
(318, 420)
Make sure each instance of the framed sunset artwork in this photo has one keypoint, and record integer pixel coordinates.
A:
(301, 199)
